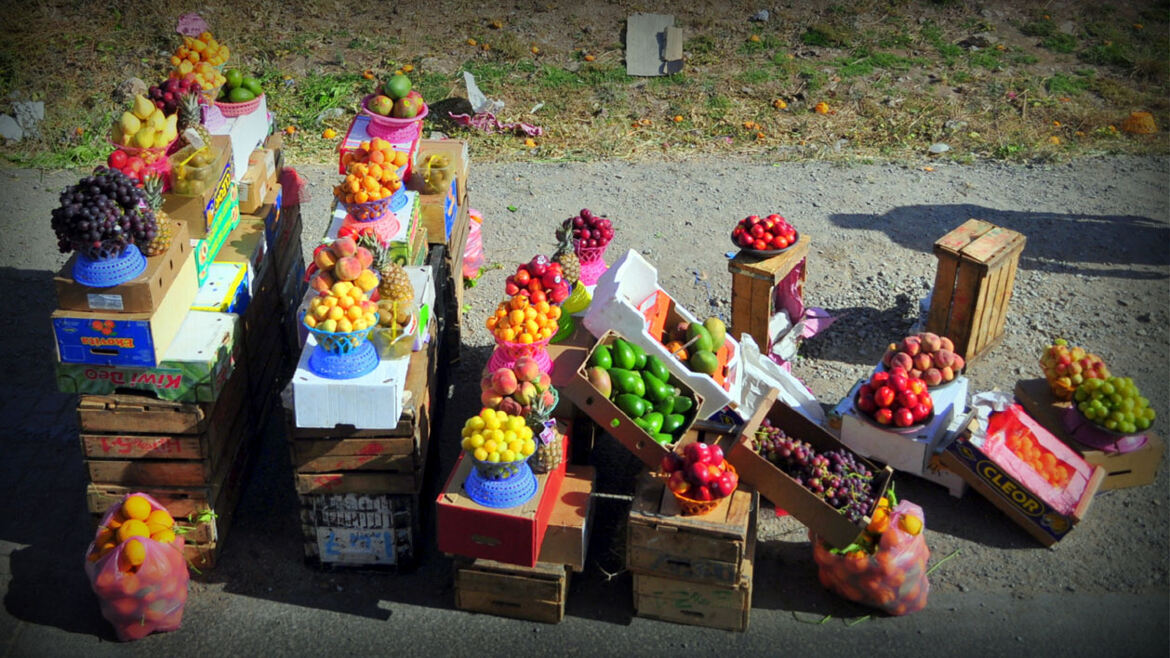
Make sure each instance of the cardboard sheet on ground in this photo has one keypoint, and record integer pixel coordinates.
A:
(653, 45)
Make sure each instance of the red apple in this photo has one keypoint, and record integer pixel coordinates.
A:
(678, 482)
(899, 381)
(903, 417)
(884, 396)
(920, 411)
(715, 455)
(671, 463)
(907, 398)
(699, 472)
(697, 452)
(884, 416)
(725, 485)
(867, 404)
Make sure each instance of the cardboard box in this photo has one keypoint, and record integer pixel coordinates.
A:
(226, 289)
(535, 593)
(275, 144)
(359, 529)
(200, 211)
(269, 214)
(1122, 470)
(510, 535)
(141, 294)
(909, 453)
(264, 158)
(439, 212)
(246, 244)
(105, 338)
(255, 186)
(1029, 510)
(628, 299)
(566, 540)
(194, 368)
(207, 248)
(784, 492)
(608, 416)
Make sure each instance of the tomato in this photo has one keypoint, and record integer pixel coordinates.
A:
(117, 159)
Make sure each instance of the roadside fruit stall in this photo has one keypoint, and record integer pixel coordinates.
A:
(187, 316)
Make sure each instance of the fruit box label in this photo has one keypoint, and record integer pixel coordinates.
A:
(1037, 512)
(104, 342)
(450, 208)
(354, 546)
(207, 248)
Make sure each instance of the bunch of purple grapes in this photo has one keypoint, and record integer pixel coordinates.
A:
(103, 211)
(591, 230)
(168, 93)
(836, 476)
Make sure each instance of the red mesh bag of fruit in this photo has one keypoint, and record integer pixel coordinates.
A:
(886, 567)
(136, 567)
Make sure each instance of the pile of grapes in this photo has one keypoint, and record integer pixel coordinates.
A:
(834, 475)
(1114, 403)
(103, 212)
(591, 231)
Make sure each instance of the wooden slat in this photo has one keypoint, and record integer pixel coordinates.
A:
(384, 462)
(944, 289)
(547, 612)
(1011, 266)
(985, 307)
(991, 246)
(305, 450)
(511, 586)
(372, 482)
(140, 446)
(773, 268)
(117, 412)
(962, 307)
(956, 240)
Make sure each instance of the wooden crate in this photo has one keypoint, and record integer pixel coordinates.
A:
(976, 271)
(1131, 469)
(172, 458)
(706, 549)
(366, 530)
(753, 289)
(533, 593)
(699, 604)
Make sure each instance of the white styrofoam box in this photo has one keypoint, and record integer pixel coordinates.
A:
(403, 216)
(421, 279)
(629, 287)
(226, 289)
(370, 402)
(246, 133)
(909, 453)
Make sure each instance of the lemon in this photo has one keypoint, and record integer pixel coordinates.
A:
(476, 440)
(493, 457)
(481, 454)
(508, 456)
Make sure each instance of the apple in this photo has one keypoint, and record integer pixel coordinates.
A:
(879, 379)
(699, 472)
(715, 455)
(725, 484)
(884, 396)
(920, 412)
(697, 452)
(700, 492)
(678, 482)
(867, 405)
(907, 399)
(884, 416)
(903, 417)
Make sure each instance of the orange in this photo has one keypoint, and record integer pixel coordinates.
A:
(135, 552)
(136, 507)
(377, 158)
(516, 316)
(133, 528)
(399, 158)
(360, 196)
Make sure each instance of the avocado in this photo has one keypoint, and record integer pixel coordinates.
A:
(703, 341)
(623, 354)
(601, 357)
(704, 361)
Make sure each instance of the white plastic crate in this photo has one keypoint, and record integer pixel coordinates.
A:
(622, 295)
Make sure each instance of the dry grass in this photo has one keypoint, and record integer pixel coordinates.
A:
(893, 73)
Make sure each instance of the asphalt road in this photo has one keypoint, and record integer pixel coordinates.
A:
(1103, 591)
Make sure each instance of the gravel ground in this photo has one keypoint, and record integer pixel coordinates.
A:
(1095, 271)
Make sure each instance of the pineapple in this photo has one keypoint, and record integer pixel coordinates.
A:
(164, 233)
(191, 116)
(547, 455)
(566, 256)
(395, 288)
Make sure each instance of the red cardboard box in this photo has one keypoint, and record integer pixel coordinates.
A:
(784, 492)
(511, 535)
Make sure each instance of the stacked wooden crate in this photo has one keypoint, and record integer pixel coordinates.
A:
(692, 569)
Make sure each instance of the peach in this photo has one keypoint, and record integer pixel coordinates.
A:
(348, 268)
(946, 344)
(932, 377)
(930, 341)
(889, 354)
(325, 260)
(364, 255)
(504, 381)
(490, 400)
(922, 361)
(915, 373)
(902, 360)
(958, 363)
(511, 407)
(527, 369)
(322, 282)
(911, 345)
(485, 384)
(947, 374)
(944, 358)
(343, 247)
(367, 280)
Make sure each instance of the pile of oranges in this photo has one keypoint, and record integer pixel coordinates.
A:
(371, 172)
(136, 519)
(200, 57)
(1051, 468)
(519, 321)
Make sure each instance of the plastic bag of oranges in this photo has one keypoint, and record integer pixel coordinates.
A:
(136, 567)
(886, 569)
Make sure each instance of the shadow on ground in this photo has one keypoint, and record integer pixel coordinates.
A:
(1056, 241)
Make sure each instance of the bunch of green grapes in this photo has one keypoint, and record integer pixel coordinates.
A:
(1114, 403)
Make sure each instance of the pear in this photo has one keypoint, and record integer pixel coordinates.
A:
(144, 138)
(169, 132)
(143, 108)
(129, 123)
(156, 119)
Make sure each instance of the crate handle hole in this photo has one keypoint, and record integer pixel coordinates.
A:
(678, 563)
(506, 604)
(104, 351)
(693, 613)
